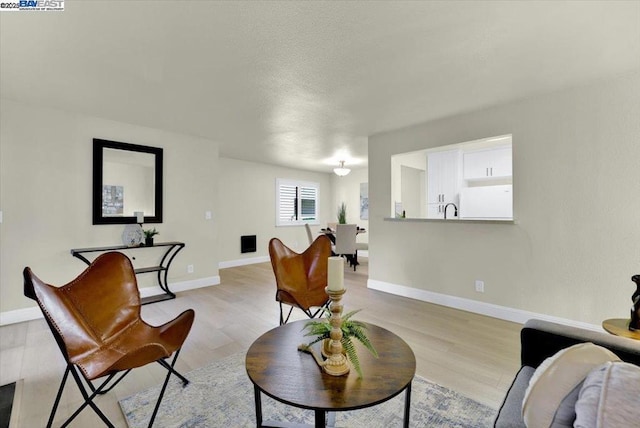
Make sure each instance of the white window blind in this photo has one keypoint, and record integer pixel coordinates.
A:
(296, 202)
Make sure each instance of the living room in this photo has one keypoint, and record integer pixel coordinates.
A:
(567, 257)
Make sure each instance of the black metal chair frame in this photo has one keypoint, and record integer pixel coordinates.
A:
(308, 312)
(104, 386)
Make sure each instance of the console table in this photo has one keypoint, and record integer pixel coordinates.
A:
(172, 248)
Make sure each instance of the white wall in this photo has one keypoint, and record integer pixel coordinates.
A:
(45, 197)
(576, 202)
(416, 205)
(413, 195)
(347, 189)
(247, 207)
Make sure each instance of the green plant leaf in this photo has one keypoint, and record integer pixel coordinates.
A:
(321, 328)
(342, 213)
(359, 334)
(318, 329)
(318, 339)
(350, 350)
(150, 233)
(348, 315)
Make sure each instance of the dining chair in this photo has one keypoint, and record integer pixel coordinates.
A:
(309, 233)
(301, 278)
(346, 242)
(95, 320)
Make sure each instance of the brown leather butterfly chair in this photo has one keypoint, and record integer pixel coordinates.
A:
(96, 322)
(301, 278)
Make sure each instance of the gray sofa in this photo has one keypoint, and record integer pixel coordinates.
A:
(541, 339)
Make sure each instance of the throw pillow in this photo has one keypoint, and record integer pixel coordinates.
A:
(556, 378)
(609, 397)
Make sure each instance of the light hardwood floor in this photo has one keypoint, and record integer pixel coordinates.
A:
(472, 354)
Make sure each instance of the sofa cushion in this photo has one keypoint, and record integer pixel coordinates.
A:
(556, 378)
(609, 397)
(510, 414)
(565, 414)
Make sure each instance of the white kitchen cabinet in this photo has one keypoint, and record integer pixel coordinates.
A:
(444, 178)
(488, 164)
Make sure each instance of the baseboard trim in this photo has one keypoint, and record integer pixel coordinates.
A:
(489, 309)
(177, 287)
(20, 315)
(195, 283)
(263, 259)
(34, 313)
(243, 262)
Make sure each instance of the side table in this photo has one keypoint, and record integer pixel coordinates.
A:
(620, 327)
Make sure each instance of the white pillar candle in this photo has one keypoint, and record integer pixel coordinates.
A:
(335, 275)
(139, 216)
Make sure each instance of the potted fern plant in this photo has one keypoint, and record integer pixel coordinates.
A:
(342, 213)
(351, 329)
(148, 236)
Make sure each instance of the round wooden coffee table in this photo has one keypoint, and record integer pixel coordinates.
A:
(278, 369)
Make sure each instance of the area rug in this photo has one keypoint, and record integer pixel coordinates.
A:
(221, 395)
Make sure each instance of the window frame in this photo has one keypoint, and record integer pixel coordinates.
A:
(298, 204)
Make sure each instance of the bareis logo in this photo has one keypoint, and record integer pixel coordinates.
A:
(40, 3)
(31, 5)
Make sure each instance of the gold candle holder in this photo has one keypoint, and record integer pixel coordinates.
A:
(336, 364)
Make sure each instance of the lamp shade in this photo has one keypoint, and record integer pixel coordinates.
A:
(341, 171)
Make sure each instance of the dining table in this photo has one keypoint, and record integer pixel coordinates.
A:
(331, 234)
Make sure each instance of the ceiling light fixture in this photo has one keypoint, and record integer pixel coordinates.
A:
(341, 171)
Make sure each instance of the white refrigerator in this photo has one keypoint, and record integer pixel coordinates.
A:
(487, 202)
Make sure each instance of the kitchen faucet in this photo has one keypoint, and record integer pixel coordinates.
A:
(455, 212)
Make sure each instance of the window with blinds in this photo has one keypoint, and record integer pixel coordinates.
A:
(296, 202)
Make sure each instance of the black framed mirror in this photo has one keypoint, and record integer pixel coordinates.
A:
(127, 179)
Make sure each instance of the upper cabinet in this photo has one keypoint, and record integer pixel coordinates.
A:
(487, 164)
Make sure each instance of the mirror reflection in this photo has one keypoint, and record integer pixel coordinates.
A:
(467, 181)
(128, 183)
(127, 179)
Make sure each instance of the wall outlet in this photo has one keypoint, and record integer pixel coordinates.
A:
(207, 215)
(479, 286)
(189, 268)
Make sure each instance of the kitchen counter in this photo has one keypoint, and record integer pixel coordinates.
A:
(452, 220)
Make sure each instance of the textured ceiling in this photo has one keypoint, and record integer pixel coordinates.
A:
(302, 84)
